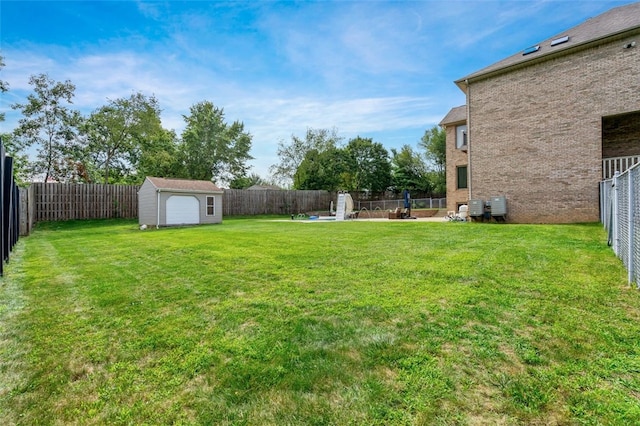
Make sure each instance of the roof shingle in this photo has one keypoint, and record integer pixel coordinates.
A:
(613, 22)
(455, 115)
(184, 184)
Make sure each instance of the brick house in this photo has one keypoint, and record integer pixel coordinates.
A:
(544, 126)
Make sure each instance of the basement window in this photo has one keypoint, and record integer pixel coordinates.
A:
(530, 50)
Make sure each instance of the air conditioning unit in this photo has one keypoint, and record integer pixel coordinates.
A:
(499, 206)
(476, 208)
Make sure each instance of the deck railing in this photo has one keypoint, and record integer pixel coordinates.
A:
(618, 164)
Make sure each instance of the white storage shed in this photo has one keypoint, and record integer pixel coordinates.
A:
(170, 202)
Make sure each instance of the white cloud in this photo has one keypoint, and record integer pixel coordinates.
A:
(269, 115)
(151, 10)
(375, 69)
(348, 115)
(271, 120)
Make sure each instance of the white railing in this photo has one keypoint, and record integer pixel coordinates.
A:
(620, 215)
(618, 164)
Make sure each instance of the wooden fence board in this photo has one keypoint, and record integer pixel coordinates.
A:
(251, 203)
(87, 201)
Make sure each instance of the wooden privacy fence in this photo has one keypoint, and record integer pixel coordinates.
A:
(244, 202)
(67, 201)
(61, 201)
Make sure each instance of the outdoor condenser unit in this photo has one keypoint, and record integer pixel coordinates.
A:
(476, 208)
(499, 206)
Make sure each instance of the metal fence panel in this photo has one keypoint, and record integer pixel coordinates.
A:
(9, 208)
(634, 252)
(620, 215)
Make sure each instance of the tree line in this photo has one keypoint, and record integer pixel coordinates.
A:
(123, 141)
(322, 160)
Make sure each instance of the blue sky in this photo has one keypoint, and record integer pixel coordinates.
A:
(377, 69)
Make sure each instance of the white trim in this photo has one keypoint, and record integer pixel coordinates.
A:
(206, 207)
(158, 208)
(189, 191)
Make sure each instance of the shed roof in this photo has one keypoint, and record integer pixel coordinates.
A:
(186, 185)
(614, 22)
(455, 115)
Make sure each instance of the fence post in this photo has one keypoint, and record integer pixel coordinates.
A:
(602, 198)
(614, 212)
(630, 205)
(619, 216)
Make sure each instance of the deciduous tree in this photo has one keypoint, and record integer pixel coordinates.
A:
(157, 155)
(118, 134)
(409, 170)
(50, 124)
(212, 149)
(20, 160)
(434, 143)
(369, 166)
(4, 86)
(292, 154)
(245, 182)
(322, 170)
(12, 144)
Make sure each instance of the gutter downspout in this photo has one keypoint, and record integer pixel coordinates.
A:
(466, 81)
(158, 210)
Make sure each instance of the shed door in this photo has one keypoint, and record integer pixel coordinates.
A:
(182, 209)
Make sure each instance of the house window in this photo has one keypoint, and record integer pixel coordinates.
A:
(211, 211)
(461, 136)
(462, 177)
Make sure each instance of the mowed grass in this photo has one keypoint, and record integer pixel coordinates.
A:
(264, 322)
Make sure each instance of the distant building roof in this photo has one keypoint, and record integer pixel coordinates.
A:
(615, 22)
(263, 187)
(456, 115)
(183, 185)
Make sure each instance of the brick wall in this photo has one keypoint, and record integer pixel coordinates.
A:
(455, 157)
(535, 133)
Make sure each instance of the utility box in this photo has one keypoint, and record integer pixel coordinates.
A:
(499, 206)
(476, 208)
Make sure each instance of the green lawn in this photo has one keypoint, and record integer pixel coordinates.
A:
(265, 322)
